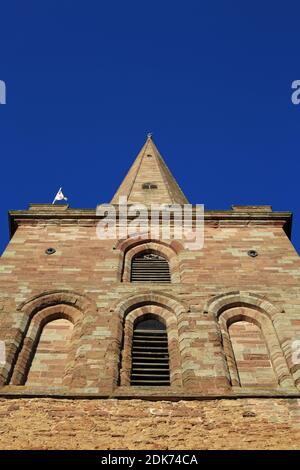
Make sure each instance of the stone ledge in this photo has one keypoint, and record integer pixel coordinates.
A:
(142, 393)
(48, 207)
(46, 213)
(265, 208)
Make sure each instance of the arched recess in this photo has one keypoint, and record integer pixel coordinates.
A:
(165, 308)
(250, 353)
(32, 315)
(51, 355)
(242, 306)
(31, 340)
(131, 248)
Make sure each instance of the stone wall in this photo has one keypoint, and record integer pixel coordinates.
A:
(135, 424)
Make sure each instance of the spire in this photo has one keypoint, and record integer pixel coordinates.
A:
(149, 180)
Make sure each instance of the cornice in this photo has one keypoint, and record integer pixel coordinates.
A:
(62, 213)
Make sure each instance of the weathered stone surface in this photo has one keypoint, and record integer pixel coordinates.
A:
(137, 424)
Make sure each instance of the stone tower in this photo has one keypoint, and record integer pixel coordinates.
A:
(143, 317)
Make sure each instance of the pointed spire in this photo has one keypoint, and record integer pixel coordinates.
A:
(149, 180)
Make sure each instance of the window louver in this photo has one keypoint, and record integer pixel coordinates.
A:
(150, 356)
(149, 186)
(150, 267)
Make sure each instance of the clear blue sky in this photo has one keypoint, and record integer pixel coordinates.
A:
(86, 80)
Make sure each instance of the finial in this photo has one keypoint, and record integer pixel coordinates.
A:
(149, 135)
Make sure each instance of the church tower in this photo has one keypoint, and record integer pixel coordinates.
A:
(143, 317)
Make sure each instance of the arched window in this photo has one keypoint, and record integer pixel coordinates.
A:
(150, 354)
(50, 355)
(151, 267)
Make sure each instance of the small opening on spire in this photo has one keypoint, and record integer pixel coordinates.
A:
(149, 186)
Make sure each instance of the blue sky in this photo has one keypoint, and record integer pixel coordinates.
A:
(86, 81)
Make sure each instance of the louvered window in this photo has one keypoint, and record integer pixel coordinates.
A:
(150, 355)
(149, 186)
(150, 267)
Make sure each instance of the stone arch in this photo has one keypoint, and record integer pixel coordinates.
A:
(150, 297)
(36, 312)
(32, 336)
(52, 297)
(222, 302)
(132, 247)
(243, 306)
(169, 319)
(125, 244)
